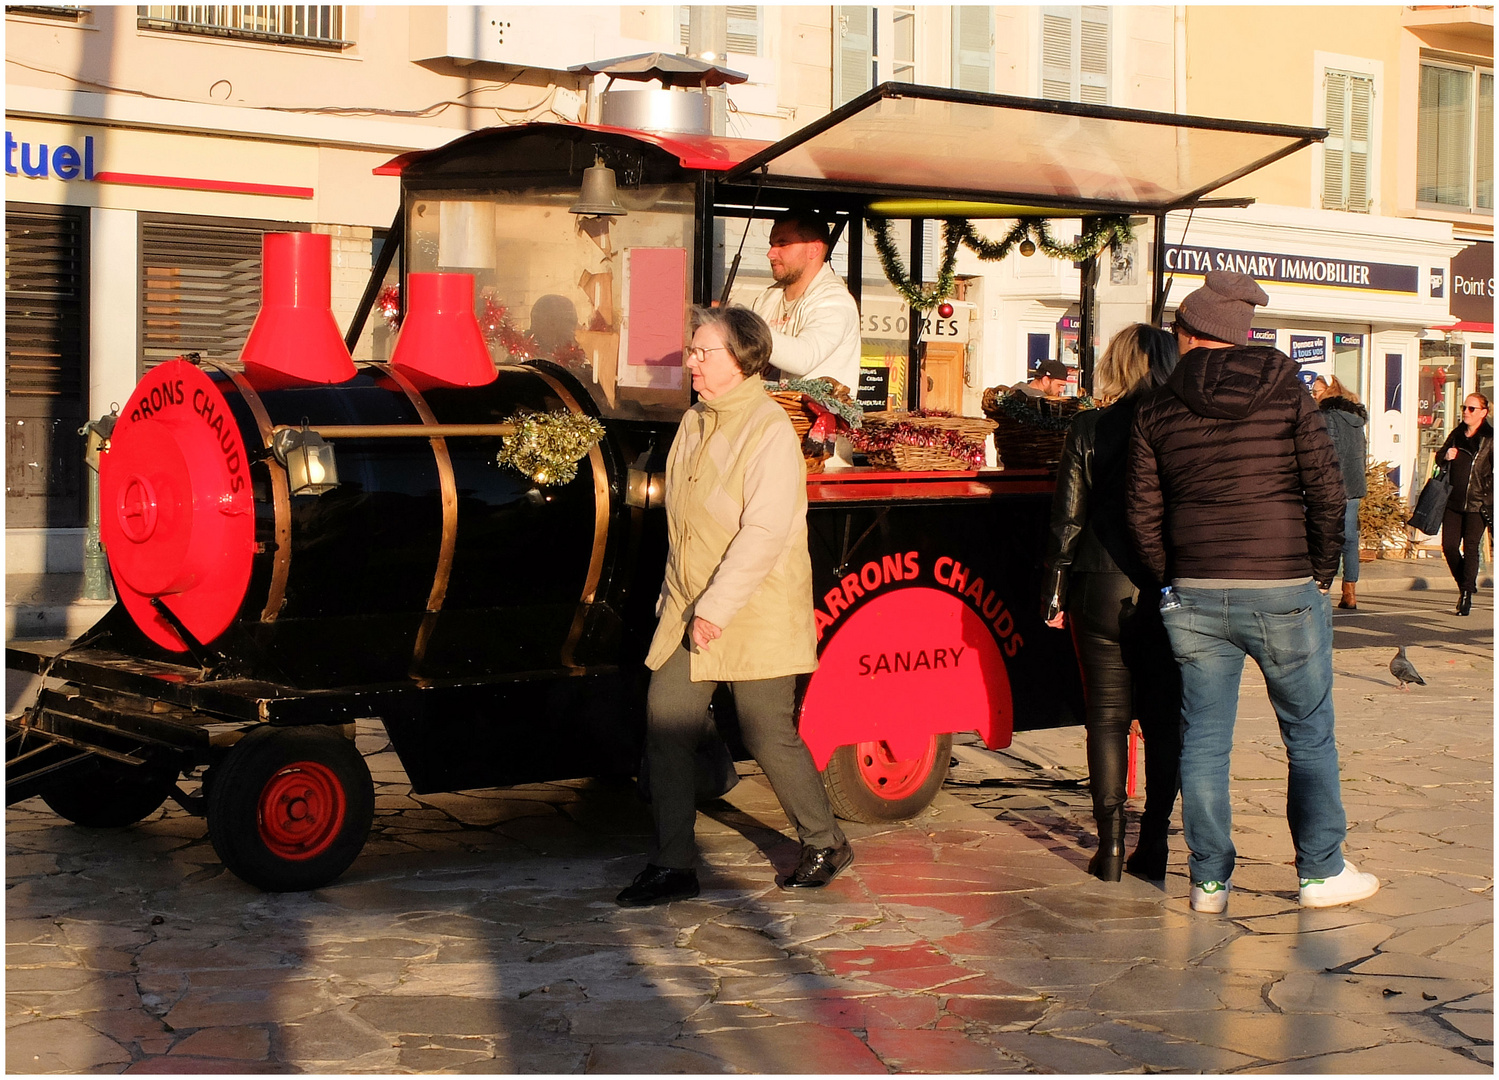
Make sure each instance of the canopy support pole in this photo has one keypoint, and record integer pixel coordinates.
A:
(913, 317)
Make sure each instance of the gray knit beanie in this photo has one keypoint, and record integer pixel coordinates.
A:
(1223, 309)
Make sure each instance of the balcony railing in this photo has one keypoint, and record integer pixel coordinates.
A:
(291, 24)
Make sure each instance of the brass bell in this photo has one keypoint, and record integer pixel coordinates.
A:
(598, 194)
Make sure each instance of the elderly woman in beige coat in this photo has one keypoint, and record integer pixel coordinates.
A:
(736, 607)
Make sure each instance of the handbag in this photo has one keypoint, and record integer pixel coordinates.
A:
(1427, 517)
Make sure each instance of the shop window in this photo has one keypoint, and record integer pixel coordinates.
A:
(291, 24)
(46, 369)
(1346, 151)
(1455, 137)
(1075, 54)
(973, 47)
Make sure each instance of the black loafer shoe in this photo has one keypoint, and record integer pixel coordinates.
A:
(820, 866)
(658, 885)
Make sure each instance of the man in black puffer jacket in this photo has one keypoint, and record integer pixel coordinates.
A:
(1236, 499)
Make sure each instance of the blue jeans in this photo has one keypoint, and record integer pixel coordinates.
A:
(1288, 631)
(1350, 541)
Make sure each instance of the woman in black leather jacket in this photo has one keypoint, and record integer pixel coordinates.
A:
(1468, 455)
(1111, 603)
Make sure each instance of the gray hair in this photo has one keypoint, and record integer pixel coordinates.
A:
(745, 335)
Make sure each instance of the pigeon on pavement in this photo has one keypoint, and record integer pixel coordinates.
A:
(1404, 671)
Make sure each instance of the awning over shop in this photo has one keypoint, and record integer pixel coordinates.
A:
(906, 141)
(1467, 328)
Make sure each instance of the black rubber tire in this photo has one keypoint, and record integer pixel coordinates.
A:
(290, 807)
(853, 799)
(112, 797)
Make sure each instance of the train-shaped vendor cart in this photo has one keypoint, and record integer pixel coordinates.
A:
(465, 539)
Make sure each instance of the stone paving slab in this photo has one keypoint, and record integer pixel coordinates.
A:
(477, 931)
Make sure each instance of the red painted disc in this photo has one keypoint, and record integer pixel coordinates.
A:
(907, 665)
(176, 515)
(302, 810)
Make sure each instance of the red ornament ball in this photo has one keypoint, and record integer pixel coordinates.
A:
(945, 310)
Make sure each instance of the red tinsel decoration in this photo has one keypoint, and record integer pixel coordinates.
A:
(498, 327)
(389, 306)
(905, 433)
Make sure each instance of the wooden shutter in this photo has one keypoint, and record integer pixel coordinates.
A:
(973, 47)
(1075, 54)
(1057, 31)
(1345, 152)
(744, 29)
(45, 365)
(200, 287)
(853, 53)
(1093, 56)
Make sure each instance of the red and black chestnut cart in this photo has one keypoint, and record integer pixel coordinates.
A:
(493, 618)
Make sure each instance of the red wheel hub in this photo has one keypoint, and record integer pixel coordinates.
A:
(890, 778)
(177, 516)
(301, 810)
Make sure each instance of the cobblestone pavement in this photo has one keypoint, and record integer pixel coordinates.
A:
(478, 933)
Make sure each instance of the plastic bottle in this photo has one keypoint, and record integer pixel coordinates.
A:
(1169, 600)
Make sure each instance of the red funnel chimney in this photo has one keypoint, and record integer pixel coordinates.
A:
(440, 342)
(295, 341)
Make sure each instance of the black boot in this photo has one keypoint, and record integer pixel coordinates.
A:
(1149, 857)
(1107, 863)
(1464, 602)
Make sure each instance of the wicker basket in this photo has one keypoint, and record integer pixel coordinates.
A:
(795, 404)
(924, 458)
(1021, 444)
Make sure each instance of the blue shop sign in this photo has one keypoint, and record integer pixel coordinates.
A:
(1296, 269)
(65, 162)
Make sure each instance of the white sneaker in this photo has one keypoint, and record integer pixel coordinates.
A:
(1346, 888)
(1210, 896)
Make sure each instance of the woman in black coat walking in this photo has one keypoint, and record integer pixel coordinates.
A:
(1346, 421)
(1109, 600)
(1469, 456)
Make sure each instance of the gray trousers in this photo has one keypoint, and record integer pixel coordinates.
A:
(677, 709)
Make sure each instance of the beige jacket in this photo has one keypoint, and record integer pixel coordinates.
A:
(736, 513)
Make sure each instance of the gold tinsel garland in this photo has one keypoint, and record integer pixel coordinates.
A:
(547, 447)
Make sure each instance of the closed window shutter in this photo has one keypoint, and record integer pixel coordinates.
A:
(684, 24)
(1093, 56)
(45, 366)
(744, 29)
(201, 289)
(1056, 54)
(1334, 167)
(853, 52)
(1361, 98)
(1345, 152)
(973, 48)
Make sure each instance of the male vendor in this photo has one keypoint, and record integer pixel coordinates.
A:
(814, 322)
(1048, 381)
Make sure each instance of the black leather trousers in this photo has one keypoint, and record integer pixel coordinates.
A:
(1128, 673)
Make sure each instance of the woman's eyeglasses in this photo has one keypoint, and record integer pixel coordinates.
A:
(1473, 408)
(697, 352)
